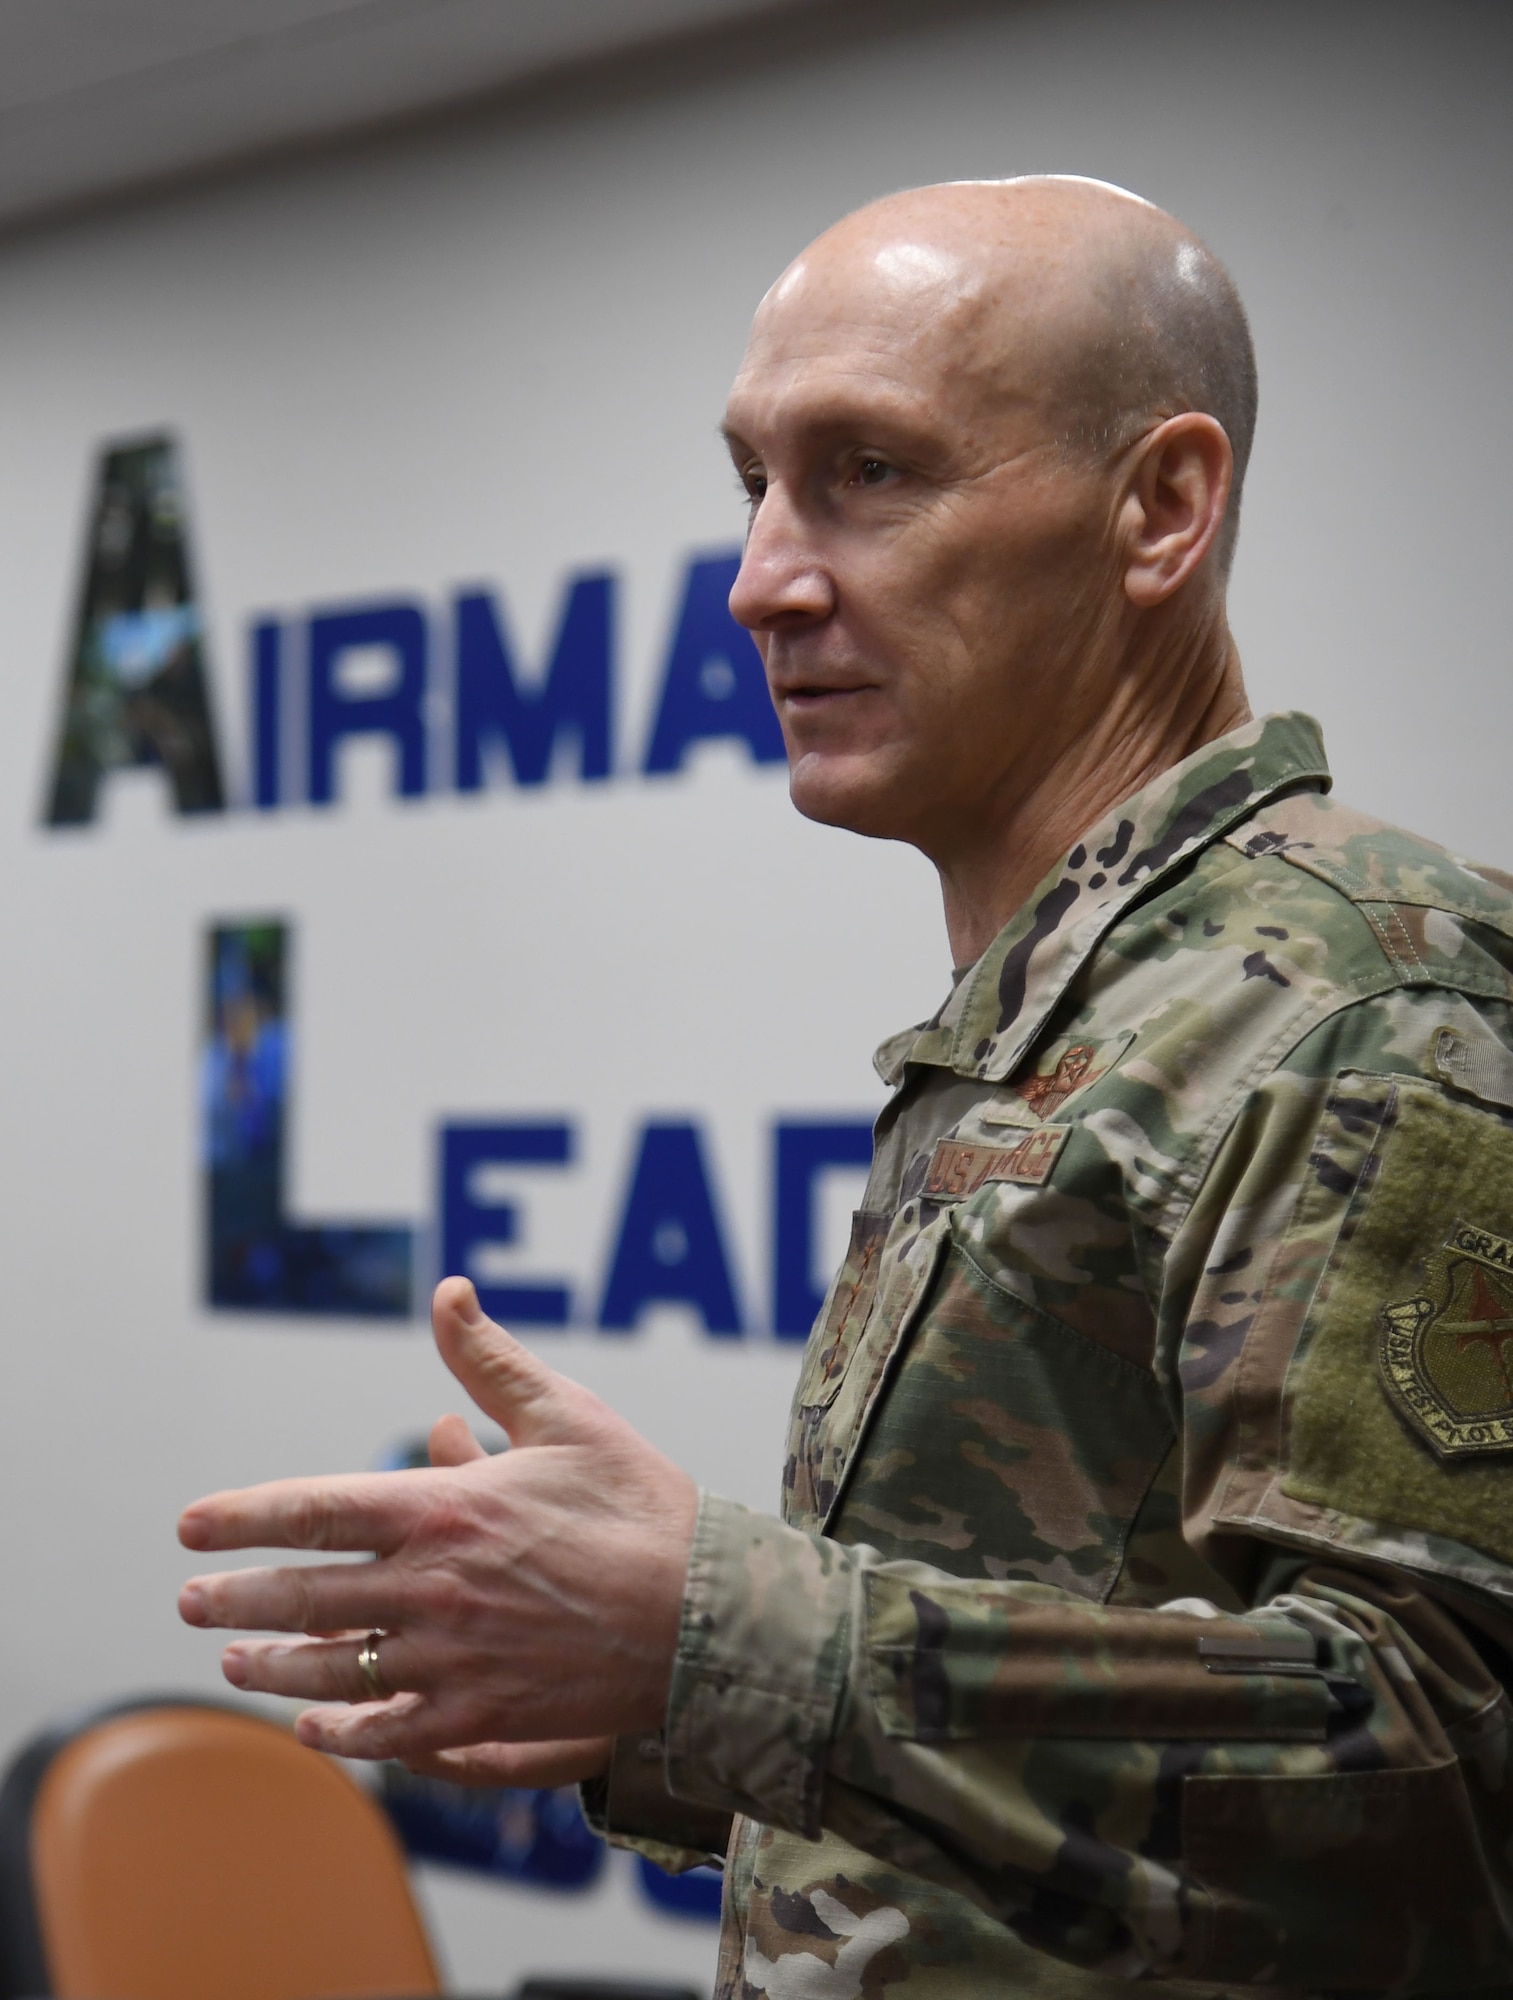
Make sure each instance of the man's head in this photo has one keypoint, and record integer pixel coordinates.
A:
(992, 433)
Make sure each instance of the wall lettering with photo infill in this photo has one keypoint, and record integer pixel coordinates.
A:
(461, 713)
(453, 696)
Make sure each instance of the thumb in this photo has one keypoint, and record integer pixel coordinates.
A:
(452, 1443)
(532, 1402)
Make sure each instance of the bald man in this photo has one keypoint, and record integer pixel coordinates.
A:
(1140, 1604)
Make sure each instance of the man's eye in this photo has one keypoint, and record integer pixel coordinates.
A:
(753, 485)
(872, 471)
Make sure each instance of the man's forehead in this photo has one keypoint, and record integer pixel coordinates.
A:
(899, 323)
(890, 262)
(842, 379)
(847, 337)
(836, 395)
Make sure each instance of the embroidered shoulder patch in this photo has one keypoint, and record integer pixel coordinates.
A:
(959, 1168)
(1444, 1353)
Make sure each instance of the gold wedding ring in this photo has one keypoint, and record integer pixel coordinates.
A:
(367, 1661)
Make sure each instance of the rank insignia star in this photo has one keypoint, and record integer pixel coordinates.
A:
(1446, 1355)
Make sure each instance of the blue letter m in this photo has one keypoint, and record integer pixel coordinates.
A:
(573, 695)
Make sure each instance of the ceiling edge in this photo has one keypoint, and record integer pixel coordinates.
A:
(773, 36)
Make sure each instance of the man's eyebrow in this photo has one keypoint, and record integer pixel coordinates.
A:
(842, 422)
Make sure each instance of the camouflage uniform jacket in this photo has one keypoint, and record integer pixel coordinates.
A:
(1139, 1605)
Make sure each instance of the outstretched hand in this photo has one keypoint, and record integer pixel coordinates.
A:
(529, 1602)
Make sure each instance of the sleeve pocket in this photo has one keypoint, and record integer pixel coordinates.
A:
(1293, 1870)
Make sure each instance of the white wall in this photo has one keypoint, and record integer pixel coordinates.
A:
(498, 353)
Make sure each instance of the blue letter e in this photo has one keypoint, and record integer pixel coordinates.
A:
(470, 1223)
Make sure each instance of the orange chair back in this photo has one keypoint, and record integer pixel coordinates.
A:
(194, 1854)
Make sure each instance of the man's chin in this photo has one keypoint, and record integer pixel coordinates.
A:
(844, 792)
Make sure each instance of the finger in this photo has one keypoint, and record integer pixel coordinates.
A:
(330, 1669)
(533, 1403)
(365, 1730)
(336, 1597)
(452, 1443)
(530, 1766)
(409, 1725)
(353, 1511)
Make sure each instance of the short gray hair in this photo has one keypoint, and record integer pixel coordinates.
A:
(1170, 334)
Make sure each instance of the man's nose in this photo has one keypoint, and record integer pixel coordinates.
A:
(783, 579)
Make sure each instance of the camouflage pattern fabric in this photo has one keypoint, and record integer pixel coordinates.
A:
(1142, 1601)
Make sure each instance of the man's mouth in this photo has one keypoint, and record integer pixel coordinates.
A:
(821, 694)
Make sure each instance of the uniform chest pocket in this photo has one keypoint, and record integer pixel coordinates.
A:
(880, 1285)
(1007, 1444)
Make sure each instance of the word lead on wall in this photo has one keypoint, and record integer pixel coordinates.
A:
(668, 1242)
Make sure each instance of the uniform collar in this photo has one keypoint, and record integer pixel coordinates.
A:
(998, 1009)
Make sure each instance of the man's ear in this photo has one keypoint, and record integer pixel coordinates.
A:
(1174, 506)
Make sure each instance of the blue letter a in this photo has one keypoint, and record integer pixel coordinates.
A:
(137, 689)
(714, 685)
(670, 1250)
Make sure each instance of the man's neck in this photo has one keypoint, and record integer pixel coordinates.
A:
(1165, 712)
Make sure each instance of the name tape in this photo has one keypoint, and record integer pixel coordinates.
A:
(959, 1168)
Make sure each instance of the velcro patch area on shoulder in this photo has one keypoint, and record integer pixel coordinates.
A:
(1400, 1403)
